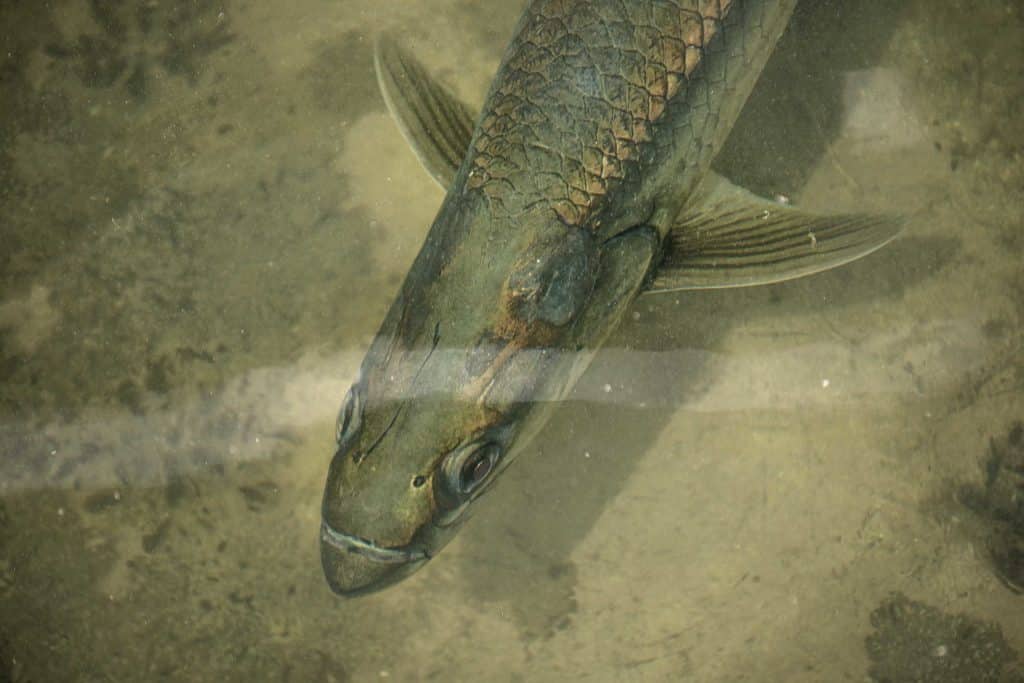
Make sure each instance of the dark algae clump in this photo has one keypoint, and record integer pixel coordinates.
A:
(913, 642)
(1000, 502)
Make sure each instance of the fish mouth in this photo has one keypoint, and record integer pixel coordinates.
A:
(356, 566)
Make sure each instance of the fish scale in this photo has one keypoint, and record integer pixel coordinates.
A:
(587, 100)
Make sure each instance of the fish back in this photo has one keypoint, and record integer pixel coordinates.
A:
(599, 101)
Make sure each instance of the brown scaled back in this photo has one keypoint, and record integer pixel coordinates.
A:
(582, 93)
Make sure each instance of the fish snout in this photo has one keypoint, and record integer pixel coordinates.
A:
(354, 566)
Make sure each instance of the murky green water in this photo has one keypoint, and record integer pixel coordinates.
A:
(205, 212)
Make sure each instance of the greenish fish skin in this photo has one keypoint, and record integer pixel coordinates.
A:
(601, 123)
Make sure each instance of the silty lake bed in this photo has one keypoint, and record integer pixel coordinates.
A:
(205, 212)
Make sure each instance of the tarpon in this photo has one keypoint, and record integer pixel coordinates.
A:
(584, 182)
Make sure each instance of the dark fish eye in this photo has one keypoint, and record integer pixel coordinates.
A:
(464, 473)
(477, 466)
(349, 417)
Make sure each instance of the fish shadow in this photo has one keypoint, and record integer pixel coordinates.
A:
(796, 109)
(518, 551)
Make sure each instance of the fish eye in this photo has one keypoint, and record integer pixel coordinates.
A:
(477, 466)
(349, 417)
(464, 472)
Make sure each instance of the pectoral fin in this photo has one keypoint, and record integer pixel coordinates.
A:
(729, 237)
(725, 237)
(437, 126)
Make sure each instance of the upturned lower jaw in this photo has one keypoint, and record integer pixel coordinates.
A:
(368, 549)
(355, 566)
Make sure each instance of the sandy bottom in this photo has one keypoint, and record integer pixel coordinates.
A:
(205, 212)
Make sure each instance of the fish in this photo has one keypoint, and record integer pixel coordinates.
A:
(583, 183)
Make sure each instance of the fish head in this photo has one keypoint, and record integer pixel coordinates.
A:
(467, 365)
(423, 432)
(402, 481)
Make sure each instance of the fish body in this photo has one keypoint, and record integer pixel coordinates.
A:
(584, 182)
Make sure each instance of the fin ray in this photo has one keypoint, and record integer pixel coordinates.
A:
(434, 122)
(728, 237)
